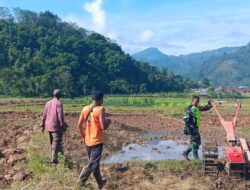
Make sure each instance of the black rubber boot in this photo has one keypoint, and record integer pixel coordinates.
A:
(186, 152)
(84, 176)
(98, 178)
(196, 155)
(185, 155)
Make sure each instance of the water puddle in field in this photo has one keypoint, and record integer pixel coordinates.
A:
(152, 150)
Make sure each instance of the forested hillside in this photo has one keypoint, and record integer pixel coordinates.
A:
(227, 66)
(40, 52)
(181, 64)
(226, 70)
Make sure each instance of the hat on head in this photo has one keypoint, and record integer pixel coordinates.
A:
(56, 92)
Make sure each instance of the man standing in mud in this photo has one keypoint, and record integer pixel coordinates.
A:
(192, 124)
(93, 137)
(53, 121)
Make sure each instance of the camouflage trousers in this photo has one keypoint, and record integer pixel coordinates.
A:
(195, 142)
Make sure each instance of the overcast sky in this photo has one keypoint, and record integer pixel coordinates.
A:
(173, 26)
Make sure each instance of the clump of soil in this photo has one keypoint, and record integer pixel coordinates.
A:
(15, 132)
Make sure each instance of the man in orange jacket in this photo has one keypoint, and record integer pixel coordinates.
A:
(93, 137)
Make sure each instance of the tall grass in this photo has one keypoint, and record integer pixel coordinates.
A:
(44, 174)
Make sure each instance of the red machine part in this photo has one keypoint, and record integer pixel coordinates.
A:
(235, 155)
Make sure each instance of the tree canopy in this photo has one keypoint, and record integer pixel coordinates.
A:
(40, 52)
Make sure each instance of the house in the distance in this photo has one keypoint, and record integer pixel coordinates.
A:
(240, 89)
(201, 92)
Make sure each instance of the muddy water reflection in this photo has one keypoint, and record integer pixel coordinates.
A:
(154, 150)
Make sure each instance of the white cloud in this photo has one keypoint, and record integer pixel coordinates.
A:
(173, 35)
(97, 13)
(146, 36)
(186, 35)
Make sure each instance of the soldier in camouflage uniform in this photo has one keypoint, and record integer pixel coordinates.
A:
(192, 124)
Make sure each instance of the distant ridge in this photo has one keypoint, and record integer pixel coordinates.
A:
(224, 66)
(180, 64)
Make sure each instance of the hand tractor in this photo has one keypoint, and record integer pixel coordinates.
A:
(236, 151)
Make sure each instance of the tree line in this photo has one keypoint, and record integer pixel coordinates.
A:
(40, 52)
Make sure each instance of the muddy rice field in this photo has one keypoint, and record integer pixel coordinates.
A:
(128, 127)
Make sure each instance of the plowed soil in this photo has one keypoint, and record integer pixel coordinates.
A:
(16, 129)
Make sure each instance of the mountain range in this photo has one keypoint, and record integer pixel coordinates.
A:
(227, 66)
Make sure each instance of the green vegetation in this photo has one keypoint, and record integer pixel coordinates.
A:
(226, 70)
(177, 105)
(177, 165)
(222, 67)
(245, 131)
(214, 95)
(39, 52)
(44, 174)
(182, 64)
(168, 106)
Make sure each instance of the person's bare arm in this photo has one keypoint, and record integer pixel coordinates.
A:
(60, 115)
(79, 126)
(43, 118)
(103, 121)
(82, 119)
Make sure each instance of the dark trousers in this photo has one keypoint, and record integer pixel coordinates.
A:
(94, 154)
(195, 137)
(56, 145)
